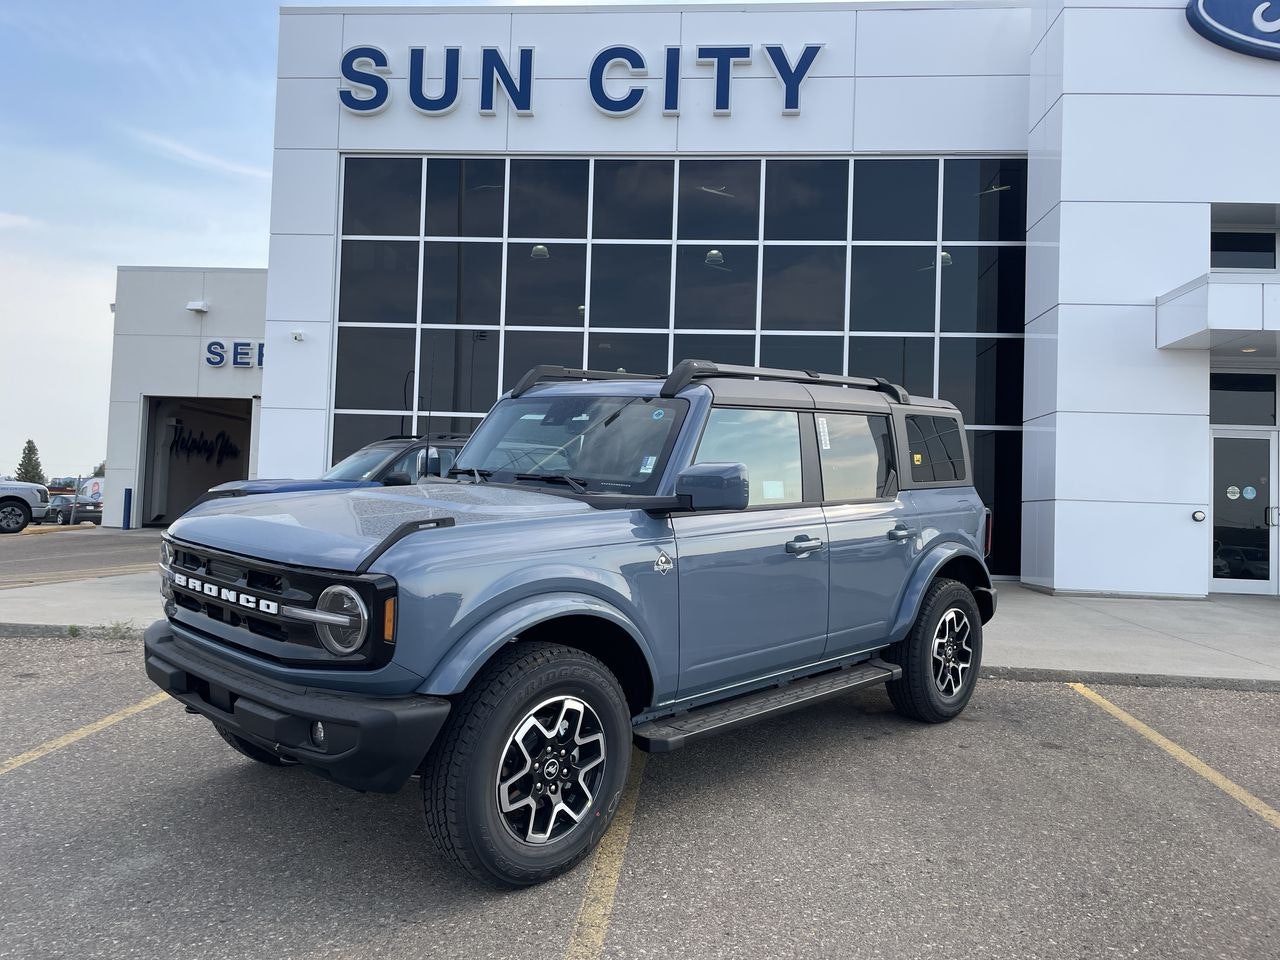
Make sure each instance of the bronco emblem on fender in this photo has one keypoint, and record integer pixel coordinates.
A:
(663, 564)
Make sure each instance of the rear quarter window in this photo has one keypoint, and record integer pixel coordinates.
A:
(935, 449)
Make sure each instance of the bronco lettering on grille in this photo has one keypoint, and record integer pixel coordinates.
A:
(219, 592)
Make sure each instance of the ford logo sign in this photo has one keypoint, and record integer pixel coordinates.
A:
(1245, 26)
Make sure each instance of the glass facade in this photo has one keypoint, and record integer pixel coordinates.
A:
(456, 275)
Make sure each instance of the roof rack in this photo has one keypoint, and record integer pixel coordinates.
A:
(548, 372)
(688, 371)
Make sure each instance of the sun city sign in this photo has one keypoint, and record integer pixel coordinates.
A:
(1245, 26)
(366, 70)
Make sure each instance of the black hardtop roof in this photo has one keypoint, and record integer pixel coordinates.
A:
(751, 386)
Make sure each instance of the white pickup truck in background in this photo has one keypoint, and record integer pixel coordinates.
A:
(20, 503)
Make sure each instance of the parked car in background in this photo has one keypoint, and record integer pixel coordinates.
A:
(20, 503)
(86, 509)
(395, 461)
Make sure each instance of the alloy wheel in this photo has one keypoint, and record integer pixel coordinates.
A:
(551, 770)
(10, 517)
(952, 654)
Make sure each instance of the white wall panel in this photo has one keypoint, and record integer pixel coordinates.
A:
(1043, 265)
(1044, 165)
(1134, 458)
(310, 46)
(1235, 306)
(1039, 458)
(947, 114)
(926, 43)
(567, 43)
(300, 278)
(1040, 366)
(155, 365)
(729, 27)
(307, 114)
(395, 33)
(304, 191)
(401, 127)
(1038, 542)
(299, 369)
(236, 299)
(293, 442)
(228, 380)
(567, 118)
(154, 302)
(757, 123)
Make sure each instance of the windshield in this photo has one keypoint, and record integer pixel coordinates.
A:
(360, 465)
(606, 444)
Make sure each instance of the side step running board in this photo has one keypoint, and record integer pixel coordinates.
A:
(670, 733)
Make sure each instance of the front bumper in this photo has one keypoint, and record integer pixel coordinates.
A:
(371, 743)
(39, 511)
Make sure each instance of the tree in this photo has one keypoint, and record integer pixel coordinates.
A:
(100, 470)
(29, 469)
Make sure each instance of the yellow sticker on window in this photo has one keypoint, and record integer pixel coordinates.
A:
(917, 459)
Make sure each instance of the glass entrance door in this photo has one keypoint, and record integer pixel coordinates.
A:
(1246, 512)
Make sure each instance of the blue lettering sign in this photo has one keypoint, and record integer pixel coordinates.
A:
(215, 353)
(724, 58)
(379, 93)
(493, 70)
(791, 76)
(671, 83)
(241, 354)
(621, 106)
(1245, 26)
(261, 347)
(448, 98)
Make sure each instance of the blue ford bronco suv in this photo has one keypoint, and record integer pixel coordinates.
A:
(614, 559)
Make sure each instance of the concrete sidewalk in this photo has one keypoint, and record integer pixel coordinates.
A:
(1225, 638)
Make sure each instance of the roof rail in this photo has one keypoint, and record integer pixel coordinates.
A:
(687, 371)
(548, 372)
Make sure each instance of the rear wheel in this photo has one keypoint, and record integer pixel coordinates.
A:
(14, 516)
(940, 657)
(251, 750)
(527, 773)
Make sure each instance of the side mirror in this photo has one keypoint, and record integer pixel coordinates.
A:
(398, 479)
(714, 486)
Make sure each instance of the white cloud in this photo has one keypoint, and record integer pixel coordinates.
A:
(181, 151)
(15, 221)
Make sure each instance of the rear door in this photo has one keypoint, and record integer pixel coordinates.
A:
(872, 531)
(753, 583)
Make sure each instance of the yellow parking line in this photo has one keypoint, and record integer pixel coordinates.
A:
(49, 746)
(587, 940)
(1189, 760)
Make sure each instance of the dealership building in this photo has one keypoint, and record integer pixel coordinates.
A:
(1059, 216)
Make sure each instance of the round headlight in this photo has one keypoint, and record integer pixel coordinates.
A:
(342, 640)
(166, 553)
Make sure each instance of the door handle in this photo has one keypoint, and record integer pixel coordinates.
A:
(803, 546)
(901, 533)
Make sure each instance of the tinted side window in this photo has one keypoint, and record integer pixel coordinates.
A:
(857, 456)
(767, 441)
(936, 449)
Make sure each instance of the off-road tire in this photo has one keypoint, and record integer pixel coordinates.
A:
(24, 515)
(460, 774)
(916, 694)
(252, 750)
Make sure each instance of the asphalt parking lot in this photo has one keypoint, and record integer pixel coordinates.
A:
(60, 554)
(1036, 825)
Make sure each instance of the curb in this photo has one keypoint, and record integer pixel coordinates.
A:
(20, 631)
(1045, 675)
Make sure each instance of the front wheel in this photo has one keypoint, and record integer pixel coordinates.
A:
(527, 773)
(14, 516)
(940, 657)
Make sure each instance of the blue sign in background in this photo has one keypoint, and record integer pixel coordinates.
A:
(1246, 26)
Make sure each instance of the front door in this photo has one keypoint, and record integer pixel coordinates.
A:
(1246, 512)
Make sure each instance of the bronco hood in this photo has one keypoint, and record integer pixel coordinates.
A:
(336, 530)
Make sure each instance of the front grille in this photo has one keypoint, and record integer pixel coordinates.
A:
(221, 616)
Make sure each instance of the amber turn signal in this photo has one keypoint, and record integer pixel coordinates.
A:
(389, 620)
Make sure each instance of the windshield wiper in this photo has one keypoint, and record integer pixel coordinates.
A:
(573, 482)
(476, 475)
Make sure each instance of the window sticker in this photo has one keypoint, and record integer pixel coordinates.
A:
(917, 459)
(824, 434)
(647, 464)
(773, 490)
(659, 414)
(1249, 492)
(1233, 492)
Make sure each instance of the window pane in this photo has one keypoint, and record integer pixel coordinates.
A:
(381, 197)
(719, 199)
(546, 284)
(630, 285)
(803, 288)
(458, 370)
(1242, 398)
(895, 199)
(633, 199)
(375, 369)
(891, 288)
(856, 454)
(717, 348)
(464, 198)
(548, 198)
(906, 361)
(436, 425)
(984, 289)
(379, 281)
(716, 287)
(526, 349)
(984, 200)
(806, 200)
(460, 282)
(353, 431)
(1242, 251)
(767, 441)
(997, 474)
(936, 449)
(629, 352)
(824, 354)
(983, 378)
